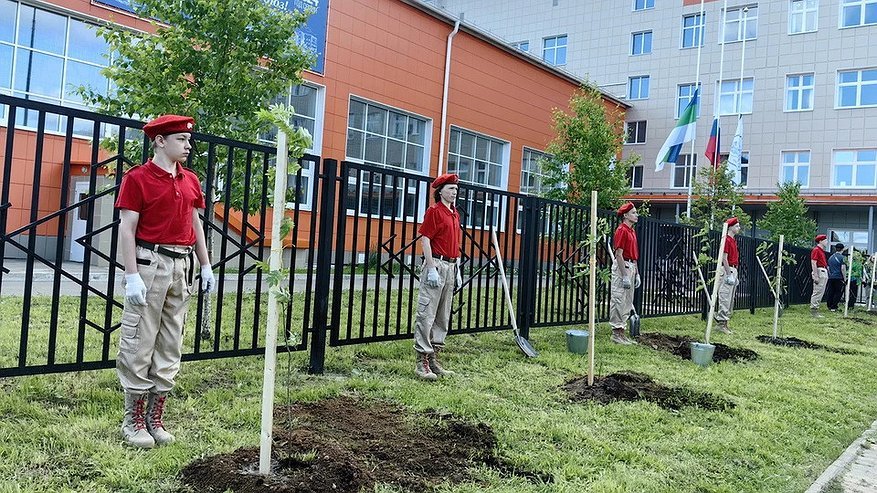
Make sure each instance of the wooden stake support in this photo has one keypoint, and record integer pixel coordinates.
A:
(779, 286)
(592, 288)
(719, 267)
(709, 298)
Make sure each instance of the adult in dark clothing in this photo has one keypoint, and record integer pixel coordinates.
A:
(837, 274)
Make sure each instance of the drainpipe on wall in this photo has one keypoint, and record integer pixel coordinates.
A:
(441, 156)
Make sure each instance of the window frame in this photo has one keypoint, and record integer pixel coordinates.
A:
(504, 178)
(554, 49)
(858, 84)
(854, 165)
(518, 45)
(678, 111)
(633, 43)
(639, 78)
(700, 27)
(804, 11)
(742, 23)
(744, 155)
(690, 171)
(645, 5)
(799, 90)
(637, 133)
(796, 165)
(632, 175)
(863, 4)
(538, 173)
(739, 92)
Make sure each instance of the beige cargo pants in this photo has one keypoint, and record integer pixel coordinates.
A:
(819, 288)
(151, 339)
(726, 296)
(621, 300)
(434, 308)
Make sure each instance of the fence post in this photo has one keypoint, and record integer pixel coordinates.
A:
(527, 263)
(750, 271)
(324, 259)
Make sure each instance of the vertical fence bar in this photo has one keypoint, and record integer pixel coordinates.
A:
(7, 183)
(340, 233)
(32, 237)
(324, 258)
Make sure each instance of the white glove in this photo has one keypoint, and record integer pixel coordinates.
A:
(625, 283)
(730, 280)
(208, 281)
(135, 290)
(637, 282)
(432, 278)
(459, 283)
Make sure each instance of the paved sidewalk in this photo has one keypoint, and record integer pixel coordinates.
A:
(855, 471)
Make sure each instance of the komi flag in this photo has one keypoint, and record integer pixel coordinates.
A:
(712, 147)
(684, 132)
(735, 157)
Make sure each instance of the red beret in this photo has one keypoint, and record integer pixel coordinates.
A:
(167, 125)
(625, 208)
(820, 238)
(446, 179)
(732, 222)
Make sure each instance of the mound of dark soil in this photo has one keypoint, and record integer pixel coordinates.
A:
(346, 445)
(631, 386)
(798, 343)
(861, 320)
(680, 346)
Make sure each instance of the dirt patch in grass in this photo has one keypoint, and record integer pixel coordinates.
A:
(680, 346)
(347, 445)
(632, 386)
(799, 343)
(861, 320)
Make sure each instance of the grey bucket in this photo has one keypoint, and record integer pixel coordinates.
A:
(577, 341)
(702, 354)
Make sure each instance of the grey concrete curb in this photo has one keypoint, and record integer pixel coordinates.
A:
(846, 458)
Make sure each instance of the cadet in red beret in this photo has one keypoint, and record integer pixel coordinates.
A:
(730, 280)
(625, 278)
(160, 233)
(440, 277)
(819, 273)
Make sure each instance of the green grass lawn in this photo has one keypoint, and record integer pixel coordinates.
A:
(796, 411)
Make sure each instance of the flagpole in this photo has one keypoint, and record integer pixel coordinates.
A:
(717, 99)
(691, 170)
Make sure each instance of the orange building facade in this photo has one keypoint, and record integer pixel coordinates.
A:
(385, 62)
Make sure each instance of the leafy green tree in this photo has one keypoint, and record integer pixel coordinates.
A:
(584, 151)
(715, 198)
(217, 61)
(788, 216)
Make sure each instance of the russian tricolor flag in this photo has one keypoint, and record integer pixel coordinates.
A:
(712, 147)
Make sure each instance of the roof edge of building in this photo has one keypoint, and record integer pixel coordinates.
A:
(493, 40)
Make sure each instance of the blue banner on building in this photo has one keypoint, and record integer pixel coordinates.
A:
(312, 35)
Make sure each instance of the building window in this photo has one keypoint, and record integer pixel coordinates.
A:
(638, 87)
(796, 168)
(531, 171)
(736, 97)
(641, 43)
(521, 45)
(480, 160)
(684, 93)
(803, 15)
(308, 101)
(643, 4)
(858, 13)
(46, 57)
(636, 132)
(741, 176)
(741, 23)
(635, 176)
(799, 92)
(854, 168)
(857, 239)
(554, 50)
(683, 169)
(692, 30)
(386, 137)
(857, 88)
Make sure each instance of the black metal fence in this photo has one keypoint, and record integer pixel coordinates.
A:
(355, 250)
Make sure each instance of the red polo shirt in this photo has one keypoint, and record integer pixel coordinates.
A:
(442, 226)
(732, 251)
(165, 203)
(625, 239)
(818, 254)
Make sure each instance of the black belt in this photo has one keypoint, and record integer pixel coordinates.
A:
(162, 250)
(442, 257)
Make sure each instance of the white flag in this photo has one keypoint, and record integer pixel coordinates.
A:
(735, 157)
